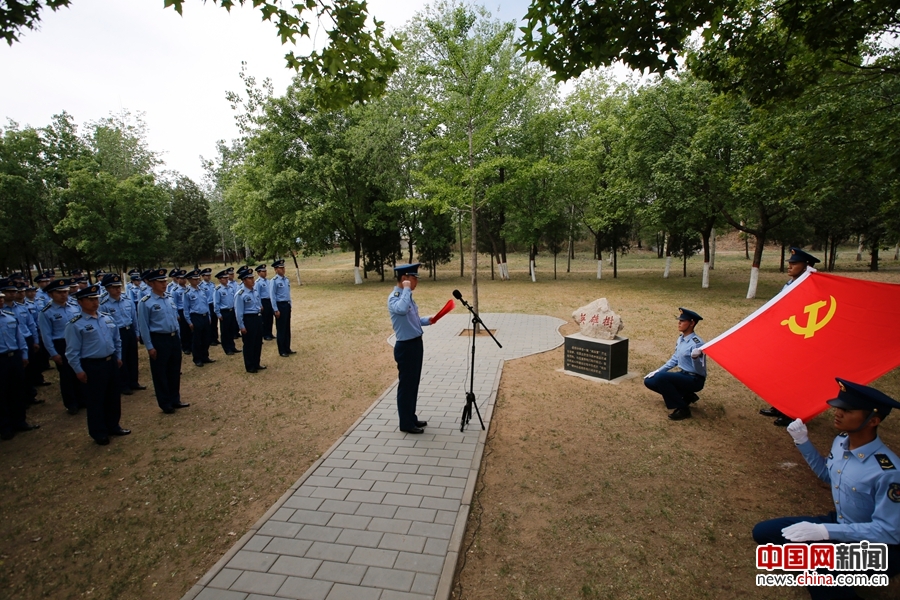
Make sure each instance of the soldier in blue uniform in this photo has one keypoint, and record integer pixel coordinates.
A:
(679, 389)
(280, 293)
(13, 360)
(158, 324)
(864, 479)
(94, 350)
(120, 307)
(52, 324)
(408, 349)
(224, 307)
(248, 309)
(15, 297)
(196, 310)
(184, 319)
(268, 315)
(799, 263)
(41, 300)
(209, 289)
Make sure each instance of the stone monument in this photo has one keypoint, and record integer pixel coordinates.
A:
(597, 350)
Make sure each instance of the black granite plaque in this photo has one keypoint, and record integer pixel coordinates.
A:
(606, 359)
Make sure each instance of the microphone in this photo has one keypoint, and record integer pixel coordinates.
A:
(457, 295)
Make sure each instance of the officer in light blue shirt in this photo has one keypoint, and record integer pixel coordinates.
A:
(13, 360)
(248, 311)
(210, 289)
(94, 350)
(262, 286)
(280, 293)
(223, 304)
(408, 349)
(679, 389)
(863, 475)
(15, 301)
(158, 322)
(120, 307)
(196, 309)
(184, 319)
(52, 322)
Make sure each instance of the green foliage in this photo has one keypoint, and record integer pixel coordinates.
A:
(191, 233)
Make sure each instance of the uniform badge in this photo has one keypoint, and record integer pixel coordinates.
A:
(886, 464)
(696, 340)
(893, 492)
(396, 294)
(89, 328)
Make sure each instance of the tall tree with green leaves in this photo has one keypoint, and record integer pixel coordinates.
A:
(192, 236)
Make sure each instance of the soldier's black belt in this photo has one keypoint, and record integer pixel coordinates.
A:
(256, 314)
(8, 354)
(165, 333)
(125, 327)
(227, 309)
(206, 314)
(96, 360)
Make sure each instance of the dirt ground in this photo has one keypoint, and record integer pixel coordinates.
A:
(587, 490)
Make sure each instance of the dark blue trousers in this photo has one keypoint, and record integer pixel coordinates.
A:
(166, 369)
(673, 385)
(213, 325)
(769, 532)
(185, 330)
(128, 372)
(252, 341)
(200, 337)
(409, 355)
(69, 386)
(268, 317)
(12, 397)
(283, 328)
(229, 330)
(104, 406)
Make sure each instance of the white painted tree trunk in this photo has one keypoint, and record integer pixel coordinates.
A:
(859, 250)
(705, 283)
(754, 280)
(897, 251)
(533, 277)
(599, 269)
(298, 276)
(504, 271)
(668, 267)
(712, 249)
(357, 278)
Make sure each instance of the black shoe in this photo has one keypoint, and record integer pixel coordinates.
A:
(72, 411)
(197, 363)
(186, 352)
(230, 353)
(26, 427)
(291, 352)
(102, 441)
(120, 431)
(214, 343)
(771, 412)
(691, 397)
(268, 338)
(284, 355)
(208, 360)
(127, 392)
(139, 387)
(252, 371)
(181, 405)
(680, 413)
(782, 421)
(35, 401)
(413, 430)
(7, 435)
(261, 367)
(421, 423)
(168, 410)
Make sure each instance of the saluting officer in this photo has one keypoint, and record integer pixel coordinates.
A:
(196, 309)
(158, 323)
(53, 320)
(280, 293)
(262, 286)
(864, 479)
(120, 307)
(679, 389)
(209, 289)
(247, 309)
(224, 307)
(94, 350)
(13, 360)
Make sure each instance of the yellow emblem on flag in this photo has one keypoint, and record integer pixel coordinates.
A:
(813, 324)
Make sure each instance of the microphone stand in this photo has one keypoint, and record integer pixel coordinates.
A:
(470, 395)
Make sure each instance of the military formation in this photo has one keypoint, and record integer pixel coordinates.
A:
(92, 334)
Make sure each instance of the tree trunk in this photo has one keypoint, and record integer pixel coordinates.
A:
(600, 269)
(684, 257)
(859, 249)
(531, 255)
(781, 267)
(668, 267)
(474, 214)
(873, 264)
(296, 266)
(615, 261)
(461, 253)
(712, 250)
(357, 253)
(754, 270)
(667, 239)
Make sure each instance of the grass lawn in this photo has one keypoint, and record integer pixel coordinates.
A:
(587, 490)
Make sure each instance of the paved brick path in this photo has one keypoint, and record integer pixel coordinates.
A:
(381, 515)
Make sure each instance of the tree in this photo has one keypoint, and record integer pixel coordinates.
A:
(353, 66)
(191, 234)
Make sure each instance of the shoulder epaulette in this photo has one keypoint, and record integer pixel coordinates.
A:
(218, 286)
(75, 318)
(46, 307)
(9, 312)
(884, 462)
(105, 314)
(105, 300)
(241, 292)
(697, 340)
(145, 298)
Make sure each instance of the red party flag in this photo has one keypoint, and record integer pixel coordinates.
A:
(447, 308)
(820, 327)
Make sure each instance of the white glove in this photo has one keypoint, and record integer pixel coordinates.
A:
(799, 432)
(651, 374)
(805, 532)
(696, 353)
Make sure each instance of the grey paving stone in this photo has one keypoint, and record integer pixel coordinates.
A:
(454, 493)
(438, 471)
(257, 543)
(295, 566)
(258, 583)
(338, 462)
(406, 543)
(431, 530)
(353, 473)
(361, 496)
(327, 551)
(352, 537)
(395, 595)
(212, 594)
(456, 482)
(305, 503)
(374, 557)
(426, 515)
(427, 490)
(305, 589)
(341, 572)
(420, 563)
(379, 475)
(437, 546)
(310, 517)
(356, 484)
(339, 506)
(413, 478)
(454, 462)
(282, 514)
(317, 533)
(376, 510)
(280, 529)
(425, 584)
(401, 468)
(445, 517)
(288, 547)
(426, 460)
(400, 526)
(349, 521)
(341, 591)
(402, 500)
(390, 486)
(440, 504)
(228, 576)
(329, 493)
(319, 481)
(388, 579)
(252, 561)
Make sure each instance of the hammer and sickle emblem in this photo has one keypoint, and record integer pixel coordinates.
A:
(813, 324)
